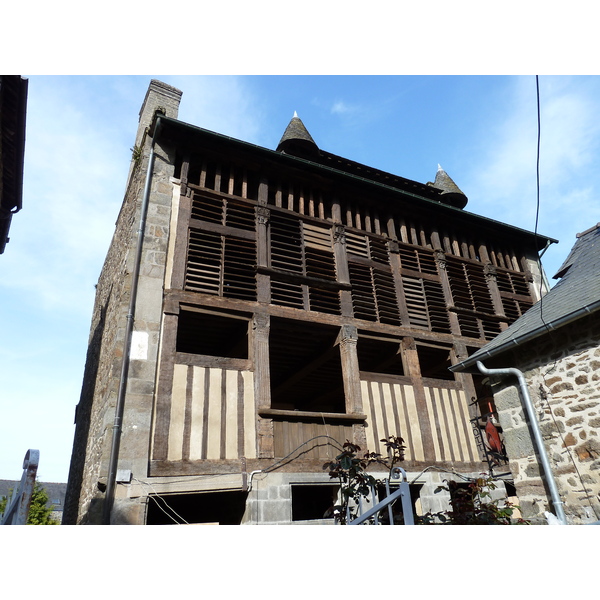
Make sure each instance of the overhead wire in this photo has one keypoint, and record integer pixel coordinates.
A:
(543, 394)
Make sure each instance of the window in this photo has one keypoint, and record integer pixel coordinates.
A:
(423, 292)
(373, 288)
(434, 361)
(219, 508)
(514, 291)
(305, 367)
(313, 502)
(397, 509)
(376, 355)
(303, 273)
(472, 299)
(212, 334)
(221, 257)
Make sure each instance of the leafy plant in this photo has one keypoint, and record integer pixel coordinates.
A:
(351, 470)
(136, 153)
(470, 506)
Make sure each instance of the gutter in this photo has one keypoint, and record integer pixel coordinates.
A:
(119, 409)
(473, 361)
(537, 435)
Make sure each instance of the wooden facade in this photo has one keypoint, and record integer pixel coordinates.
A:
(312, 300)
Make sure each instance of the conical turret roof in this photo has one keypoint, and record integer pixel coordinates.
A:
(451, 193)
(296, 140)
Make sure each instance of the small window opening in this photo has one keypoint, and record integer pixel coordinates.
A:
(379, 356)
(194, 170)
(222, 508)
(397, 509)
(306, 368)
(212, 334)
(177, 166)
(434, 362)
(511, 490)
(312, 502)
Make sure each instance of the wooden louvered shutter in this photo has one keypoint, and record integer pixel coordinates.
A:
(472, 299)
(205, 259)
(371, 278)
(514, 292)
(303, 251)
(286, 254)
(320, 264)
(221, 257)
(423, 291)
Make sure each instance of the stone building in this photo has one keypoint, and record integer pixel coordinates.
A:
(282, 302)
(556, 347)
(13, 111)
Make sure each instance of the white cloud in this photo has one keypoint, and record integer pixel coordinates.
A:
(502, 181)
(339, 107)
(226, 105)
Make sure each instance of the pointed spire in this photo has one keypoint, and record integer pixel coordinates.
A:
(451, 193)
(296, 140)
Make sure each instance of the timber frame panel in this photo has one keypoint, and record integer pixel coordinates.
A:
(268, 244)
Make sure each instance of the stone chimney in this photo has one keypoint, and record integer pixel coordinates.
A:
(159, 95)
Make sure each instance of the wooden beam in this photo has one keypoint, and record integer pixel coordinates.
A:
(413, 369)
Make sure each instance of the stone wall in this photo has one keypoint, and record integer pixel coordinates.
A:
(562, 371)
(102, 369)
(270, 499)
(96, 409)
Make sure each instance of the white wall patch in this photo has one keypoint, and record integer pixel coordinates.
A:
(139, 345)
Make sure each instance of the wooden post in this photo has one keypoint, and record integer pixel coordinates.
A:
(343, 273)
(262, 385)
(348, 340)
(263, 284)
(413, 369)
(181, 241)
(394, 255)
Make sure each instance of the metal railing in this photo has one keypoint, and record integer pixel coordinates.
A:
(17, 505)
(403, 493)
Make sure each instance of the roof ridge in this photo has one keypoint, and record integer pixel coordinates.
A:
(588, 230)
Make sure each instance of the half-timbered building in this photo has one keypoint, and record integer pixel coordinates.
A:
(283, 301)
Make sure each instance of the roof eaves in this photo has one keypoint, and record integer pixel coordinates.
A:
(469, 365)
(295, 159)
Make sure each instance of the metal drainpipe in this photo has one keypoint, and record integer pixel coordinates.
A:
(556, 501)
(117, 425)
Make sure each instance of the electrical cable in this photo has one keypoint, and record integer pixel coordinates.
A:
(339, 447)
(442, 470)
(537, 209)
(157, 495)
(543, 394)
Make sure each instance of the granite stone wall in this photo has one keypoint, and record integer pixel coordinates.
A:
(562, 371)
(96, 408)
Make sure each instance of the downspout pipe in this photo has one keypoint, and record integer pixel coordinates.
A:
(120, 405)
(537, 435)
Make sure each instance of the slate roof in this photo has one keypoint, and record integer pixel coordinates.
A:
(296, 140)
(310, 156)
(296, 137)
(575, 295)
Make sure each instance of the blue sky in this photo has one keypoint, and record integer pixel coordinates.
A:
(481, 129)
